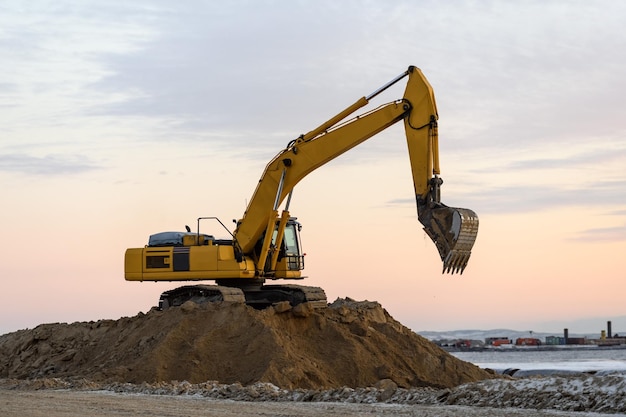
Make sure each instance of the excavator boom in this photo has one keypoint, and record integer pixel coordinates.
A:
(453, 230)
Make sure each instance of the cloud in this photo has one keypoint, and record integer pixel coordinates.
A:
(602, 234)
(507, 76)
(526, 198)
(248, 76)
(220, 66)
(585, 156)
(46, 165)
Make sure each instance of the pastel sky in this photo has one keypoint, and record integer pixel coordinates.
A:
(121, 119)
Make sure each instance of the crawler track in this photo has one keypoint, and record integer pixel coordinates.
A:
(200, 294)
(259, 297)
(268, 295)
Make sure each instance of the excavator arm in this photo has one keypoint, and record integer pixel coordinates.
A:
(453, 230)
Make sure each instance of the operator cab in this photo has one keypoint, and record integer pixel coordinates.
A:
(291, 248)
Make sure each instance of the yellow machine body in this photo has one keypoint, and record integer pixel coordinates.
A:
(266, 245)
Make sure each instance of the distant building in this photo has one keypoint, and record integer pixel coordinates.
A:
(498, 341)
(463, 344)
(527, 341)
(576, 341)
(555, 340)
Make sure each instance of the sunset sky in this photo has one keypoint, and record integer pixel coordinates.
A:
(121, 119)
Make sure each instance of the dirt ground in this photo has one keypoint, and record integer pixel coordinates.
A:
(224, 359)
(348, 343)
(68, 403)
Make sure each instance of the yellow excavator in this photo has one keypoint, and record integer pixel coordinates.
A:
(266, 246)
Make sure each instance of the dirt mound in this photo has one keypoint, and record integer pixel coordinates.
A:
(355, 344)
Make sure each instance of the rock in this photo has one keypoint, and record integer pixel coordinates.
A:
(282, 307)
(302, 310)
(386, 389)
(188, 306)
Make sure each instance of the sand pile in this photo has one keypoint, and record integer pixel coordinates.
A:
(354, 344)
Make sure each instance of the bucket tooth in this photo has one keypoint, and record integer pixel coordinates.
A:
(455, 262)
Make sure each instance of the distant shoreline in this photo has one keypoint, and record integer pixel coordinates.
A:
(516, 348)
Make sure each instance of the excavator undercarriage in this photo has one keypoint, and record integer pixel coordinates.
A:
(259, 297)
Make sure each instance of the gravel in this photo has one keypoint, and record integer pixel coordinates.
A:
(581, 394)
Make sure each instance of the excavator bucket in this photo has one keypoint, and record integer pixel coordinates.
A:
(453, 230)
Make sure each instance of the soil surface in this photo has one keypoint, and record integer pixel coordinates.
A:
(347, 344)
(223, 359)
(100, 404)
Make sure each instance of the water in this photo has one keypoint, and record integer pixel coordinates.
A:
(576, 360)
